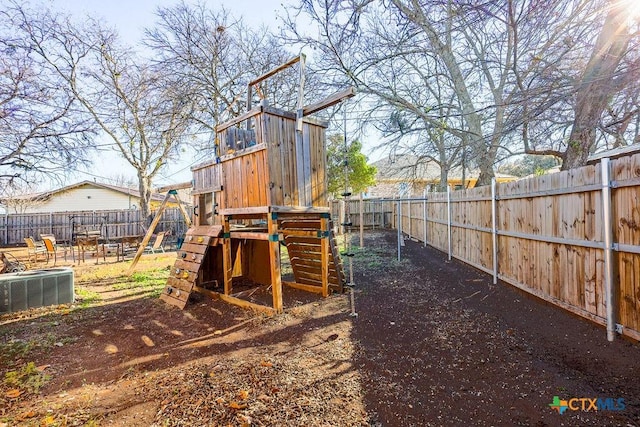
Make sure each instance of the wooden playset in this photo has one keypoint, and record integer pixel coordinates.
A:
(265, 189)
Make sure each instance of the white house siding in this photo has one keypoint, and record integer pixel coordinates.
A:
(86, 198)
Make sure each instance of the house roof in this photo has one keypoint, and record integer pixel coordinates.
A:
(614, 153)
(408, 167)
(46, 195)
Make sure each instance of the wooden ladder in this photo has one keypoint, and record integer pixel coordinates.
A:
(186, 269)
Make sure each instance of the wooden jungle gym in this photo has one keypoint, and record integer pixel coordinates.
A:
(266, 187)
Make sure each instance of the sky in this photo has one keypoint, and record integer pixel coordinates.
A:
(130, 17)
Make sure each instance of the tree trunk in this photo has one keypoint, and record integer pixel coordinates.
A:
(144, 186)
(597, 85)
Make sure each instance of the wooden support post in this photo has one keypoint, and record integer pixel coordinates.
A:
(147, 236)
(324, 255)
(227, 264)
(274, 262)
(183, 210)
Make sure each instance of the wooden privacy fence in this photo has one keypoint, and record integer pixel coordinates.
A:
(374, 212)
(113, 223)
(571, 238)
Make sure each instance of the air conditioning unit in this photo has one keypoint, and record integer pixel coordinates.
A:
(35, 288)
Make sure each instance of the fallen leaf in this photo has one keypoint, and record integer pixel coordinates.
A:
(50, 420)
(29, 414)
(266, 364)
(111, 349)
(243, 394)
(148, 342)
(220, 400)
(42, 368)
(13, 393)
(236, 405)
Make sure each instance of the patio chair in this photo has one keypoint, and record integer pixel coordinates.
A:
(51, 250)
(56, 246)
(157, 244)
(91, 245)
(35, 249)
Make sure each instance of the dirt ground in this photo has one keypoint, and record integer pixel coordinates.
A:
(434, 343)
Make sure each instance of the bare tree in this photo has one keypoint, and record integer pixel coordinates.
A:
(19, 197)
(133, 105)
(508, 74)
(601, 79)
(43, 132)
(464, 49)
(212, 56)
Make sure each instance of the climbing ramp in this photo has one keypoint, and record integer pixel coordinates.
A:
(198, 242)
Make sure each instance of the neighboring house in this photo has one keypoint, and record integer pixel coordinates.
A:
(83, 196)
(406, 176)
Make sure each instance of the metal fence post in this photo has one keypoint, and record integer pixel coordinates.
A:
(610, 299)
(449, 219)
(399, 223)
(494, 230)
(361, 221)
(424, 216)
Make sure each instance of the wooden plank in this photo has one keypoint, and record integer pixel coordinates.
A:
(193, 248)
(251, 235)
(299, 209)
(245, 211)
(227, 264)
(147, 237)
(208, 292)
(274, 264)
(292, 224)
(179, 186)
(288, 233)
(275, 70)
(328, 101)
(189, 276)
(241, 118)
(180, 284)
(250, 151)
(191, 257)
(197, 239)
(247, 304)
(205, 230)
(179, 301)
(304, 287)
(186, 265)
(306, 166)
